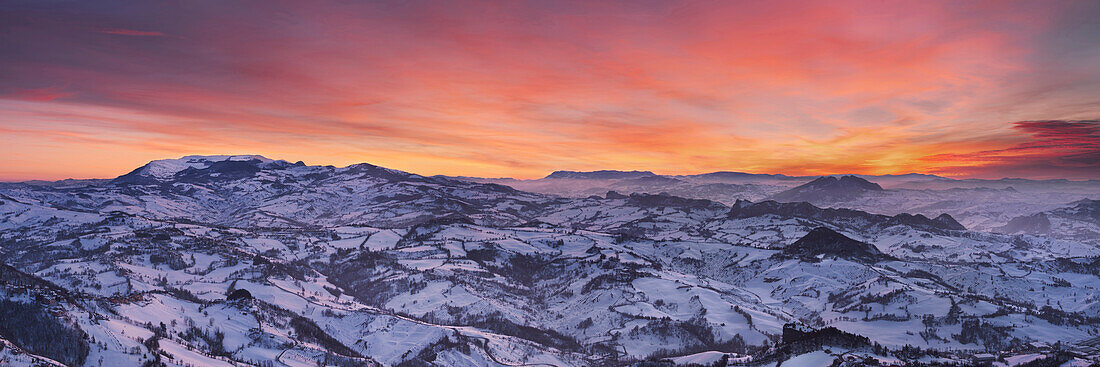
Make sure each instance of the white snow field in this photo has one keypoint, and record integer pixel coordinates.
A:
(242, 260)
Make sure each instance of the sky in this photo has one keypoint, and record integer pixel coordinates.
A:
(968, 89)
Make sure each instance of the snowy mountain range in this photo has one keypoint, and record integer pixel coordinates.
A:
(983, 205)
(244, 260)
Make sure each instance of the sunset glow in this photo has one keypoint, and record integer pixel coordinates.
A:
(520, 89)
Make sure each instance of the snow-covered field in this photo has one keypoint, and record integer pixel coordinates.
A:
(240, 260)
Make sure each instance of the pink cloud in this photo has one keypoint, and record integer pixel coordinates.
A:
(1051, 149)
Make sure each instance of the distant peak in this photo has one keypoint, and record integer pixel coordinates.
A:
(1086, 202)
(853, 180)
(615, 195)
(827, 182)
(163, 169)
(846, 180)
(829, 188)
(601, 175)
(824, 180)
(949, 222)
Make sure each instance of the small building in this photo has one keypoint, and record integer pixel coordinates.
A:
(983, 359)
(1039, 346)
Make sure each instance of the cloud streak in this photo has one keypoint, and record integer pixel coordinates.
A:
(1052, 149)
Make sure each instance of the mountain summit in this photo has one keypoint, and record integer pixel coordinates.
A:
(164, 169)
(251, 190)
(829, 188)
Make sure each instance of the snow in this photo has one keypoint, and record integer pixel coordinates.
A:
(166, 168)
(812, 359)
(703, 358)
(409, 281)
(182, 356)
(1023, 358)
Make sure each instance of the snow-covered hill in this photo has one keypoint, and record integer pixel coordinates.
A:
(982, 205)
(829, 188)
(231, 260)
(1079, 221)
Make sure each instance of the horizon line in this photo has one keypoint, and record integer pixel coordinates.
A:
(16, 180)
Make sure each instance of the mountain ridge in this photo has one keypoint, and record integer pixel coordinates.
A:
(365, 264)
